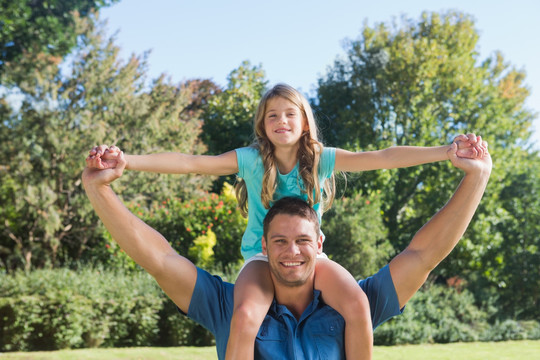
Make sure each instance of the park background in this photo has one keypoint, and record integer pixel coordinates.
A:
(415, 74)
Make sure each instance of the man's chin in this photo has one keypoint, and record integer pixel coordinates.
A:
(290, 280)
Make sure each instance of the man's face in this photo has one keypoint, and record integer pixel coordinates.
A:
(292, 245)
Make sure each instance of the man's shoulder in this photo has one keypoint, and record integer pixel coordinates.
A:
(212, 299)
(382, 296)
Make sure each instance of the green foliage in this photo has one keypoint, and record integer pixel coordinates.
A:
(422, 83)
(58, 309)
(228, 117)
(202, 249)
(207, 230)
(46, 217)
(441, 314)
(184, 221)
(355, 234)
(506, 267)
(41, 26)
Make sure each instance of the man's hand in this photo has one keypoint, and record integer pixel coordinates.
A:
(479, 165)
(103, 157)
(470, 146)
(103, 175)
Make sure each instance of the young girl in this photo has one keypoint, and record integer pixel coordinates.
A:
(287, 159)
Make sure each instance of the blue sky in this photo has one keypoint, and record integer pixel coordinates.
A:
(295, 41)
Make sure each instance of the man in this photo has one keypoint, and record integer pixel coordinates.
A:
(297, 325)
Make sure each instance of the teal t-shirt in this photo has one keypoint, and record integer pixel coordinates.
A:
(251, 169)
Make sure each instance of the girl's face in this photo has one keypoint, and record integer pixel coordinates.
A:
(283, 122)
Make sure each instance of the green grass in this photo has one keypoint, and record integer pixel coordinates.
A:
(462, 351)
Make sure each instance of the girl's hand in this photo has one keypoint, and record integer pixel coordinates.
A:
(470, 146)
(480, 165)
(103, 157)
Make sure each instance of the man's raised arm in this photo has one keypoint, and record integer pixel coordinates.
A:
(175, 274)
(436, 239)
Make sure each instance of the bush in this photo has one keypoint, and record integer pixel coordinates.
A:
(355, 234)
(436, 313)
(512, 330)
(59, 309)
(187, 224)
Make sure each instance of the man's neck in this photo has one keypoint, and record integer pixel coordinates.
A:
(296, 299)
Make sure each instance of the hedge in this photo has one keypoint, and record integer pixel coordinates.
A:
(93, 307)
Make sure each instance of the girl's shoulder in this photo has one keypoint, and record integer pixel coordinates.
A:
(247, 152)
(248, 160)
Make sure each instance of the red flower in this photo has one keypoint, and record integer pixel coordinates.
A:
(188, 229)
(368, 202)
(107, 246)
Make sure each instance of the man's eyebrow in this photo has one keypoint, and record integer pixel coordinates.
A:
(299, 236)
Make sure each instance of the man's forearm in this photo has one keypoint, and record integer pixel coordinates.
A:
(142, 243)
(439, 236)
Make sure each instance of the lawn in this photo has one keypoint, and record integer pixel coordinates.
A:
(464, 351)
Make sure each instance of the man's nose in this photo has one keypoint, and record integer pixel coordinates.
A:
(293, 248)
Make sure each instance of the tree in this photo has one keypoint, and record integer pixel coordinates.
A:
(355, 236)
(46, 218)
(41, 27)
(422, 84)
(506, 270)
(228, 118)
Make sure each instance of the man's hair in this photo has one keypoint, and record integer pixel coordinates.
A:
(294, 207)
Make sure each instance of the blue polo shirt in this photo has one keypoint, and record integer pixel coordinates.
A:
(318, 334)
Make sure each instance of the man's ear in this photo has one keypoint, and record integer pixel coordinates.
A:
(263, 243)
(320, 245)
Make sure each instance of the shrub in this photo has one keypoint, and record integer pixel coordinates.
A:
(355, 234)
(58, 309)
(436, 313)
(187, 224)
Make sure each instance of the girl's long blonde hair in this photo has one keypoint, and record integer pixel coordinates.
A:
(309, 155)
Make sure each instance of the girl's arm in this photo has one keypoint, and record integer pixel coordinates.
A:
(393, 157)
(469, 146)
(177, 163)
(103, 157)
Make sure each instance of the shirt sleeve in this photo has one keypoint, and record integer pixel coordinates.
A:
(382, 296)
(246, 158)
(211, 303)
(328, 162)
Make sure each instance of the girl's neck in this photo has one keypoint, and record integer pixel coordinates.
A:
(286, 158)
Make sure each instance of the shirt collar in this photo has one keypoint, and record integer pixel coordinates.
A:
(279, 310)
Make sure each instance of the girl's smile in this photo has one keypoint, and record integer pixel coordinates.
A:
(283, 122)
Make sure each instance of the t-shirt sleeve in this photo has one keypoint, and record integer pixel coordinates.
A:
(328, 162)
(246, 158)
(212, 302)
(382, 296)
